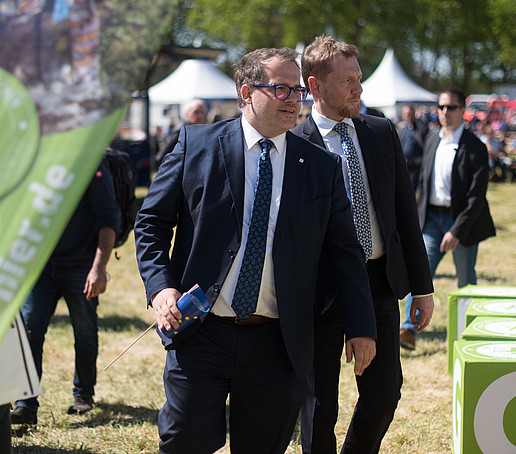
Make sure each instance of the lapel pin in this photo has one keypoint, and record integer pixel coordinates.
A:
(301, 160)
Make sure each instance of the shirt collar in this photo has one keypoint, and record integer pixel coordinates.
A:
(454, 137)
(252, 137)
(326, 124)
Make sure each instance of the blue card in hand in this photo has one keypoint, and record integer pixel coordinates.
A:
(193, 305)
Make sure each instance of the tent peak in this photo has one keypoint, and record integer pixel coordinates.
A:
(389, 85)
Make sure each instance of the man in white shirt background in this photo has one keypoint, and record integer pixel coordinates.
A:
(452, 206)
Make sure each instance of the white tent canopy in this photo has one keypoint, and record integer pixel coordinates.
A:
(193, 79)
(389, 85)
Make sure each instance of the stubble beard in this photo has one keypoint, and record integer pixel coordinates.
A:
(350, 111)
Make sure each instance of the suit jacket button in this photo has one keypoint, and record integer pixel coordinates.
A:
(232, 253)
(216, 288)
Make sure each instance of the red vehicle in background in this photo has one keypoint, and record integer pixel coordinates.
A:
(487, 108)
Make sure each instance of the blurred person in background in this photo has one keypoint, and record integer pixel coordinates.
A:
(452, 206)
(412, 133)
(194, 112)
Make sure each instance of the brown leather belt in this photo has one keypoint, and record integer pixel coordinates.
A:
(440, 209)
(254, 320)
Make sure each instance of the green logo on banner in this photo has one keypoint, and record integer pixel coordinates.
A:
(19, 140)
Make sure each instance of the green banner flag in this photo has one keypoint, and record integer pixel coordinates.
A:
(67, 71)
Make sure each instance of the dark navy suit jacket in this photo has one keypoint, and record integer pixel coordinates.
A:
(199, 190)
(407, 266)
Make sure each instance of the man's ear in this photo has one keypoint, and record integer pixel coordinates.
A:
(313, 85)
(245, 91)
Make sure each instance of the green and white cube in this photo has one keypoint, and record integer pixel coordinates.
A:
(484, 397)
(459, 301)
(490, 308)
(490, 329)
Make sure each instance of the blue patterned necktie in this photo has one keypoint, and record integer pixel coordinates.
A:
(358, 192)
(249, 280)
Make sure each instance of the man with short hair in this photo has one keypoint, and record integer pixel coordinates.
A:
(384, 211)
(452, 206)
(193, 112)
(253, 207)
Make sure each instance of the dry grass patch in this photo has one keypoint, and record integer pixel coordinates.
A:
(130, 393)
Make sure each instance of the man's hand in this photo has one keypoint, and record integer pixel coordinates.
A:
(363, 349)
(96, 282)
(425, 306)
(165, 308)
(449, 242)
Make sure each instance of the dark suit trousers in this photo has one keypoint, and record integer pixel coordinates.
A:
(250, 364)
(379, 386)
(5, 428)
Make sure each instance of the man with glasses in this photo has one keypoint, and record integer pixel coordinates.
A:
(254, 207)
(384, 211)
(452, 205)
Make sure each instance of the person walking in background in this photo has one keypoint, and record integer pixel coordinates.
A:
(384, 211)
(253, 207)
(452, 206)
(193, 112)
(412, 133)
(495, 153)
(77, 272)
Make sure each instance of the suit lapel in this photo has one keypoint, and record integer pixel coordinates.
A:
(368, 147)
(232, 150)
(296, 166)
(311, 132)
(432, 148)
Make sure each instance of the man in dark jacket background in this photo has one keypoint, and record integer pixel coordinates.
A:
(452, 206)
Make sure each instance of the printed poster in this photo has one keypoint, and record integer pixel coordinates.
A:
(67, 71)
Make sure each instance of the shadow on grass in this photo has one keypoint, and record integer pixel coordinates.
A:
(433, 335)
(113, 323)
(435, 343)
(500, 228)
(44, 450)
(118, 414)
(490, 278)
(445, 276)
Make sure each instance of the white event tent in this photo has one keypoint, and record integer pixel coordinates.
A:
(390, 86)
(192, 79)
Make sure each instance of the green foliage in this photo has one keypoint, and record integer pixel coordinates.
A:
(136, 27)
(465, 43)
(503, 15)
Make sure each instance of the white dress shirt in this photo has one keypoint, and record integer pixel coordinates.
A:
(440, 189)
(267, 305)
(333, 143)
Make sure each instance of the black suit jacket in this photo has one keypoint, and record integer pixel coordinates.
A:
(472, 220)
(407, 266)
(199, 189)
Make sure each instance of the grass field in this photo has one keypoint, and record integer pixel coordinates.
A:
(130, 393)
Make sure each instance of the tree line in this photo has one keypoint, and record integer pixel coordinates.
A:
(470, 44)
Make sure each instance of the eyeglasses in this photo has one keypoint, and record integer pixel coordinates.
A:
(449, 108)
(282, 92)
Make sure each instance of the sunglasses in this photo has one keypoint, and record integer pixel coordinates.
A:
(449, 108)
